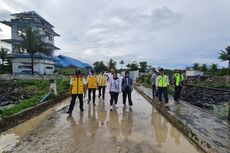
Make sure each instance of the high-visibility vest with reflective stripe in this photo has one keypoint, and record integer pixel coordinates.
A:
(178, 78)
(77, 85)
(92, 82)
(101, 80)
(162, 81)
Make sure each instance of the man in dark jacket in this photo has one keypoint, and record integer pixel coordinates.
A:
(127, 87)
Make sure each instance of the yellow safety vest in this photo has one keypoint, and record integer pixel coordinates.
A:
(101, 80)
(178, 78)
(162, 81)
(77, 85)
(92, 82)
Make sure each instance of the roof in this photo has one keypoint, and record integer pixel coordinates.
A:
(18, 41)
(31, 14)
(64, 61)
(36, 56)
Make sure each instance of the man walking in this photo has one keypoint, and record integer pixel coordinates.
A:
(178, 80)
(127, 87)
(154, 83)
(162, 84)
(77, 89)
(92, 86)
(102, 84)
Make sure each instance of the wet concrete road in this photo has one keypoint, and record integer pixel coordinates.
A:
(97, 130)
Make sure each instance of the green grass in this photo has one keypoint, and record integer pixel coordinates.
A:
(39, 87)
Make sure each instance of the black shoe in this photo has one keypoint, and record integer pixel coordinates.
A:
(82, 110)
(88, 101)
(94, 104)
(69, 112)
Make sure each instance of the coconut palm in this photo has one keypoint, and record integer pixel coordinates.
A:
(225, 56)
(3, 54)
(32, 43)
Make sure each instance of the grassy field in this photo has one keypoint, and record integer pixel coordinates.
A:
(39, 87)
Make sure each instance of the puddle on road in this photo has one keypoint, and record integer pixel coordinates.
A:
(9, 138)
(99, 130)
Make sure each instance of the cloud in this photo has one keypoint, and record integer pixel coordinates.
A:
(162, 32)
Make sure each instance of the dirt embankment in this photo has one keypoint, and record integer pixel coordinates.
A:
(12, 93)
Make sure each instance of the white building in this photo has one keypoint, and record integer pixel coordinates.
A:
(21, 62)
(194, 73)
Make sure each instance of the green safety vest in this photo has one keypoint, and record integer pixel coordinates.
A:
(178, 78)
(162, 81)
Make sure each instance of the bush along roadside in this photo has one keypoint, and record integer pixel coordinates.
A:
(38, 88)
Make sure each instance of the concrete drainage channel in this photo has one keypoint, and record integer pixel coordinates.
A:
(188, 132)
(29, 113)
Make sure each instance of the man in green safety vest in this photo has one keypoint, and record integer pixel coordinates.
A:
(162, 85)
(178, 80)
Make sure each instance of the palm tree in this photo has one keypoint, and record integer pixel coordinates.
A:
(32, 43)
(3, 54)
(213, 68)
(122, 63)
(225, 56)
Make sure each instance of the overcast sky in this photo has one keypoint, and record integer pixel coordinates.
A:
(168, 33)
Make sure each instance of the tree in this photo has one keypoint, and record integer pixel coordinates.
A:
(213, 68)
(122, 63)
(195, 66)
(225, 56)
(133, 66)
(112, 64)
(204, 67)
(143, 66)
(99, 66)
(3, 54)
(32, 43)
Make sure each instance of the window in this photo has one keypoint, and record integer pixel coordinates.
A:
(49, 67)
(24, 67)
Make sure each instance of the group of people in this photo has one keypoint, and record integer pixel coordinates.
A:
(161, 83)
(79, 86)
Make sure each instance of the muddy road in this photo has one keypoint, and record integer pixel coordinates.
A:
(97, 130)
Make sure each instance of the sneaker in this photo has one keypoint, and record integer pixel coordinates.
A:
(116, 105)
(130, 107)
(111, 108)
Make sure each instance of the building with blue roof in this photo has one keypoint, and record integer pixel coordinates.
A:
(21, 62)
(68, 65)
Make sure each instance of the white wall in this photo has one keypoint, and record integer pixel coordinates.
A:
(41, 66)
(194, 73)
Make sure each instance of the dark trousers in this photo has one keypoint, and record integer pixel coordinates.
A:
(125, 93)
(73, 100)
(177, 92)
(89, 95)
(164, 91)
(114, 97)
(103, 91)
(154, 90)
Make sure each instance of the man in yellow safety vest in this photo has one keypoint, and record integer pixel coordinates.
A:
(92, 86)
(77, 89)
(162, 85)
(102, 80)
(178, 80)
